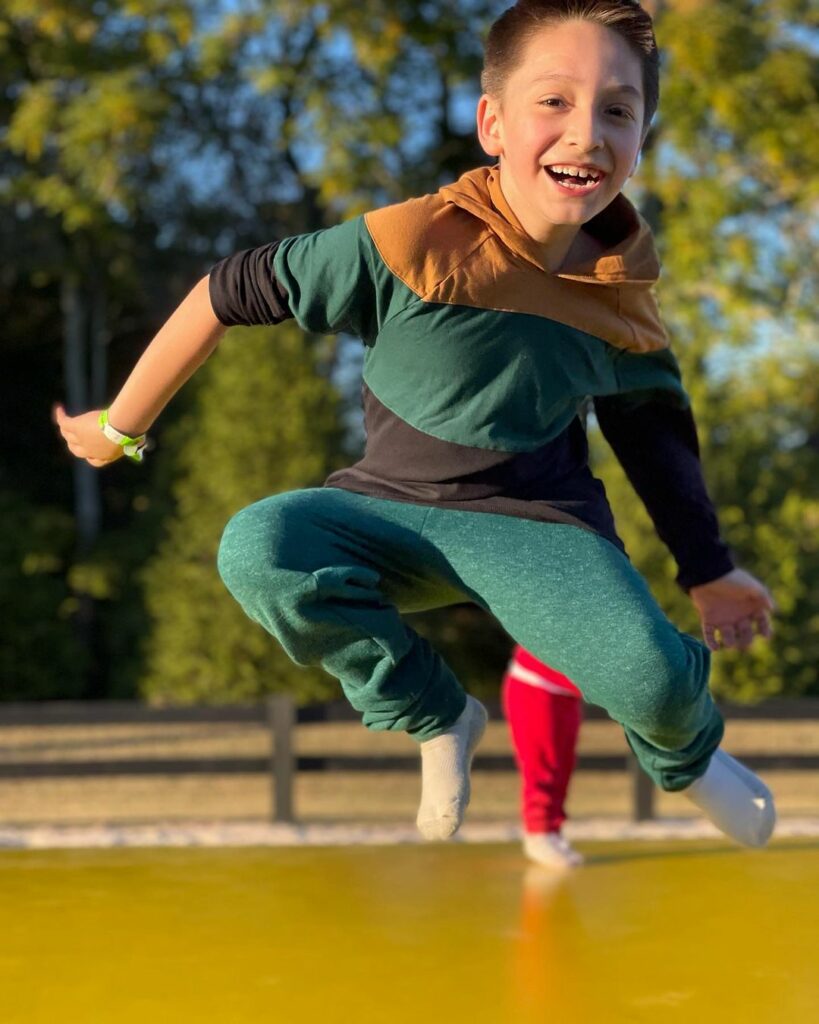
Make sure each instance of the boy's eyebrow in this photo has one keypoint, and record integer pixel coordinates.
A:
(552, 76)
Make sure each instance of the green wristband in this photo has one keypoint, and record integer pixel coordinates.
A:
(133, 447)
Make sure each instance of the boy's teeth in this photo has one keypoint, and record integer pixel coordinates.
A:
(581, 172)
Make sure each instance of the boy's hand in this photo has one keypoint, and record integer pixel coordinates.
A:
(733, 609)
(84, 438)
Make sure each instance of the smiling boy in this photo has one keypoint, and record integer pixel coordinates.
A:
(489, 311)
(568, 133)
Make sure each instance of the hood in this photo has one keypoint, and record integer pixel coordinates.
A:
(630, 257)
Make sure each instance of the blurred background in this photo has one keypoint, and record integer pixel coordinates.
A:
(141, 141)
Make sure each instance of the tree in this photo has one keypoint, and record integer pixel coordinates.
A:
(146, 140)
(735, 200)
(341, 87)
(84, 100)
(264, 419)
(35, 545)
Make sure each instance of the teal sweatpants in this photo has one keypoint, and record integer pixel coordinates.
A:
(328, 573)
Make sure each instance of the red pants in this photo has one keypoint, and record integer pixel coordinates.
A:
(543, 709)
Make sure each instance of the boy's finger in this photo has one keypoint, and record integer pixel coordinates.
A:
(763, 625)
(763, 598)
(711, 641)
(745, 633)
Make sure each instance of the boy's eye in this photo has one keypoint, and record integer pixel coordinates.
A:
(551, 101)
(619, 111)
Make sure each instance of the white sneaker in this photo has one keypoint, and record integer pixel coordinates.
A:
(551, 850)
(736, 801)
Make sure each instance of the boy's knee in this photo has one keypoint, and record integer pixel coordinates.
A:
(238, 548)
(252, 546)
(667, 702)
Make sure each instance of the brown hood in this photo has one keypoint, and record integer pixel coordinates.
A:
(464, 246)
(630, 257)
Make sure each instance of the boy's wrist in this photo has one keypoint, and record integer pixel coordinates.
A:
(133, 447)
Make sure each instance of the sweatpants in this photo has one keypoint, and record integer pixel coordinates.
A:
(544, 711)
(328, 572)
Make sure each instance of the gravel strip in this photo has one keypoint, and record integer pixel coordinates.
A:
(227, 834)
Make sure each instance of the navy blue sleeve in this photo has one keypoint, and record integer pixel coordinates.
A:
(244, 289)
(656, 444)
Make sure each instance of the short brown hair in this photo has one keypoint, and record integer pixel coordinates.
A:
(516, 26)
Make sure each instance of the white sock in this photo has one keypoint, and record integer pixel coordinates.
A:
(551, 850)
(737, 801)
(445, 764)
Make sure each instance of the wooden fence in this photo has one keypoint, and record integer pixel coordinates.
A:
(280, 716)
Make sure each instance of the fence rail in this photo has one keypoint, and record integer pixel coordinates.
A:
(280, 716)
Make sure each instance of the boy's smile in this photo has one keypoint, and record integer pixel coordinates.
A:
(567, 129)
(576, 178)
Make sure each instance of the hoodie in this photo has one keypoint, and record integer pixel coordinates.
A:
(479, 362)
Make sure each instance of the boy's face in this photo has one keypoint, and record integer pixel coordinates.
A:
(573, 103)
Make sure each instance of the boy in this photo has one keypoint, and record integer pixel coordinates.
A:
(489, 311)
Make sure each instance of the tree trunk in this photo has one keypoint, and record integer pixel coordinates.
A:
(87, 505)
(99, 336)
(81, 381)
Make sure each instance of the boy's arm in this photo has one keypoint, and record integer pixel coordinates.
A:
(176, 352)
(324, 279)
(656, 443)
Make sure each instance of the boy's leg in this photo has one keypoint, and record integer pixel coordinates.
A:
(325, 571)
(576, 602)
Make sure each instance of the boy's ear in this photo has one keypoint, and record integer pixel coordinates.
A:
(490, 134)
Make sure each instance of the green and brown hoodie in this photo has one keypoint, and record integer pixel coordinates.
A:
(478, 360)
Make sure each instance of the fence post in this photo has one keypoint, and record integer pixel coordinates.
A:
(281, 716)
(642, 792)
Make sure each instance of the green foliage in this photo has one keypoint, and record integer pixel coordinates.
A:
(762, 465)
(146, 138)
(471, 642)
(265, 420)
(765, 460)
(41, 657)
(734, 173)
(92, 88)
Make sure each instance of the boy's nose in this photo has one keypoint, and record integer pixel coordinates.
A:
(584, 131)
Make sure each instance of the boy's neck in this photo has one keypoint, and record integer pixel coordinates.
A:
(561, 245)
(584, 249)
